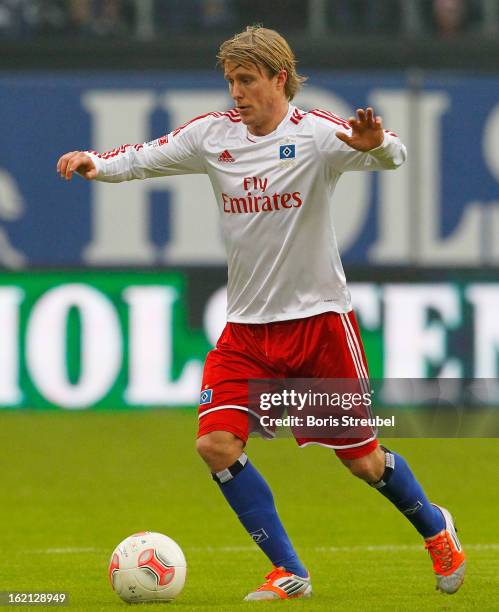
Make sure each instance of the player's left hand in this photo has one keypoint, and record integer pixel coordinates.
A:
(367, 131)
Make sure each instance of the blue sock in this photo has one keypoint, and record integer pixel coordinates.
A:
(251, 499)
(404, 491)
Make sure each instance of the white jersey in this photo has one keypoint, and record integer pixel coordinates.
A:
(274, 199)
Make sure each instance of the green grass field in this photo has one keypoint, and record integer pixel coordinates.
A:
(74, 485)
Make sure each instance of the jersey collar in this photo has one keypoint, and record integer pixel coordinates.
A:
(279, 128)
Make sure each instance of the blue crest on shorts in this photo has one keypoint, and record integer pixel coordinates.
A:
(287, 151)
(205, 397)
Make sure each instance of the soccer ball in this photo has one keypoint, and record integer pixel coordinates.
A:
(147, 566)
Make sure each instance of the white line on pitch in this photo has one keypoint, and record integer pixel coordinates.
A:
(336, 549)
(69, 550)
(244, 549)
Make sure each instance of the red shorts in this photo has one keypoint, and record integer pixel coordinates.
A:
(323, 346)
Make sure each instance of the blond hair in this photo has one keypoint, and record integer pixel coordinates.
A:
(264, 47)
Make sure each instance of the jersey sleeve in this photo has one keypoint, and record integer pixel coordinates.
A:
(179, 152)
(389, 155)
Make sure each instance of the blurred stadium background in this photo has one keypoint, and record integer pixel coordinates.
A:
(91, 272)
(110, 296)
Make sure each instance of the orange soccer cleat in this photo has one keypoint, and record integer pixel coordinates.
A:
(448, 558)
(280, 584)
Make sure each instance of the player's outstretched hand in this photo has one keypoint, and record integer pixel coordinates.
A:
(367, 131)
(76, 161)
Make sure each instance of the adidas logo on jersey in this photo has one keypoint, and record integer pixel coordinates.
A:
(225, 156)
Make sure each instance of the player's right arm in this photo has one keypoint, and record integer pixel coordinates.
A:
(176, 153)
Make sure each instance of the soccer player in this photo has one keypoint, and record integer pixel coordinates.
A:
(273, 168)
